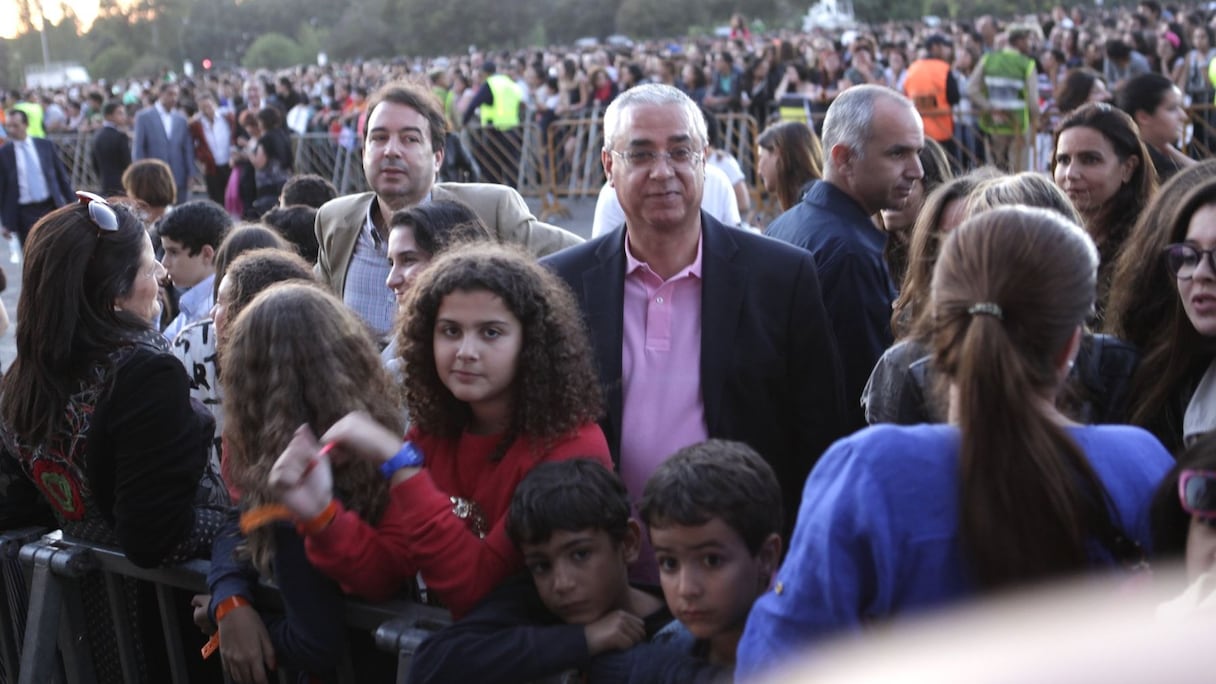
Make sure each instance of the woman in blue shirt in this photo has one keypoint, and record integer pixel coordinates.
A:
(899, 519)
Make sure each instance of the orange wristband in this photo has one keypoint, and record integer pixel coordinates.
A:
(221, 611)
(323, 519)
(263, 515)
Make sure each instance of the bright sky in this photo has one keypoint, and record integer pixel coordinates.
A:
(85, 9)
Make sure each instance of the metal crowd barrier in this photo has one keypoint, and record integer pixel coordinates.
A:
(52, 645)
(562, 161)
(14, 599)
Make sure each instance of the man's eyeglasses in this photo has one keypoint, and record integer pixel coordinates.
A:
(100, 211)
(1197, 493)
(679, 157)
(1182, 259)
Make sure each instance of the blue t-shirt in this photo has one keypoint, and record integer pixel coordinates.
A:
(878, 531)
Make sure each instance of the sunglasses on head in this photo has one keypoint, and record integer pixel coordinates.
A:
(100, 212)
(1197, 493)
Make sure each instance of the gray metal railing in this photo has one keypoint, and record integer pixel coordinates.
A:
(51, 643)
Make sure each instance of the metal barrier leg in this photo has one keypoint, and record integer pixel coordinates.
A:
(14, 599)
(53, 613)
(123, 629)
(165, 599)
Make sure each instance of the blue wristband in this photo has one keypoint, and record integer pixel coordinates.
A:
(408, 457)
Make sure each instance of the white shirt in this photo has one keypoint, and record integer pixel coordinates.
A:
(219, 137)
(717, 199)
(194, 305)
(166, 119)
(23, 173)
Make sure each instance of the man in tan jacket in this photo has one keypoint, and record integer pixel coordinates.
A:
(402, 154)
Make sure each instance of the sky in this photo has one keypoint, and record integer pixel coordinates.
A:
(85, 9)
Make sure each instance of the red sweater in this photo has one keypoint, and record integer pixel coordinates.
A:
(419, 532)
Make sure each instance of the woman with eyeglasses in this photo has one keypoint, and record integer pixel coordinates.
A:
(1174, 387)
(899, 520)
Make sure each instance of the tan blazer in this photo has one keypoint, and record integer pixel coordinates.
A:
(501, 208)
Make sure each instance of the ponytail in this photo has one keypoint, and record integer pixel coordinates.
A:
(1011, 289)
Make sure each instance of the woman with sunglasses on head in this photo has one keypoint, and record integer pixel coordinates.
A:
(96, 424)
(897, 520)
(1174, 387)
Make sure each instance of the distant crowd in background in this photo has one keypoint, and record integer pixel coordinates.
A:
(1078, 54)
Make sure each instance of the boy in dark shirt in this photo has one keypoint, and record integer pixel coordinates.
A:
(571, 521)
(714, 515)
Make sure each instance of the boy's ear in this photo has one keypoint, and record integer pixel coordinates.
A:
(631, 543)
(769, 557)
(208, 253)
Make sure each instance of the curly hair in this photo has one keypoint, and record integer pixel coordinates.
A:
(297, 355)
(556, 388)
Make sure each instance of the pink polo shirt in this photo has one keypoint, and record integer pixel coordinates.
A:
(660, 368)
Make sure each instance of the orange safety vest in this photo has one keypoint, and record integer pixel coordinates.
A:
(925, 85)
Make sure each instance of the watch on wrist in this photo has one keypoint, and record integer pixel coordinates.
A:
(408, 457)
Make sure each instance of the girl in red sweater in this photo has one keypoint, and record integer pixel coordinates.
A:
(499, 378)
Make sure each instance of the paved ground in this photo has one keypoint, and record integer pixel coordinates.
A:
(578, 221)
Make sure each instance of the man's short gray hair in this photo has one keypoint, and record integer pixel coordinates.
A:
(652, 94)
(850, 118)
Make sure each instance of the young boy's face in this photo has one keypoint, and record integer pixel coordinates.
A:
(582, 576)
(185, 269)
(709, 577)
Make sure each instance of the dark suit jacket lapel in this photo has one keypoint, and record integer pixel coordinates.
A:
(722, 287)
(604, 297)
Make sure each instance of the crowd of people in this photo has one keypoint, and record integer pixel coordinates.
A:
(680, 451)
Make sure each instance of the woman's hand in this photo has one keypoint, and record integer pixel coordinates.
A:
(359, 435)
(245, 646)
(302, 476)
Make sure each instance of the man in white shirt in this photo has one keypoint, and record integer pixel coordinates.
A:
(33, 180)
(213, 134)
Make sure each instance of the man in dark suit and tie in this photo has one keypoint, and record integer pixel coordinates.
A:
(112, 148)
(700, 330)
(161, 132)
(33, 180)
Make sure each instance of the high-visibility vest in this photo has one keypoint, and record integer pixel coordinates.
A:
(925, 85)
(33, 112)
(503, 113)
(1005, 73)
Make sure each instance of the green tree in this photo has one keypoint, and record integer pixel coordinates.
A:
(568, 20)
(650, 19)
(273, 51)
(114, 62)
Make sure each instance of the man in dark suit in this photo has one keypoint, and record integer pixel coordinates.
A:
(112, 148)
(33, 180)
(700, 330)
(162, 132)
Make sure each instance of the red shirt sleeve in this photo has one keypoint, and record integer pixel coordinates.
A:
(419, 532)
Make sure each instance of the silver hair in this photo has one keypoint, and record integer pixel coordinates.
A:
(653, 94)
(850, 118)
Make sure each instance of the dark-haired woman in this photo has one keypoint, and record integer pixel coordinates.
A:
(1102, 164)
(1156, 105)
(273, 159)
(898, 520)
(98, 433)
(1174, 388)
